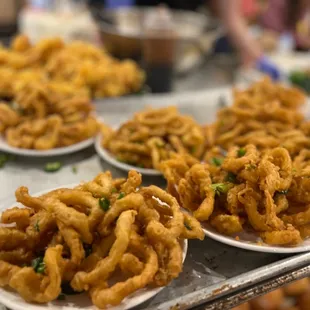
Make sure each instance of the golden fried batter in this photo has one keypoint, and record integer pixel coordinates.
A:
(109, 237)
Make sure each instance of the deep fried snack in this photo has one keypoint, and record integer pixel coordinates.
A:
(247, 187)
(227, 224)
(50, 132)
(154, 135)
(43, 115)
(297, 288)
(131, 264)
(198, 177)
(28, 283)
(11, 239)
(290, 236)
(17, 215)
(105, 267)
(115, 294)
(266, 115)
(176, 223)
(8, 117)
(101, 186)
(171, 265)
(130, 202)
(70, 68)
(192, 228)
(93, 235)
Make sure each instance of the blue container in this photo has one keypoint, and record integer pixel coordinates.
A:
(111, 4)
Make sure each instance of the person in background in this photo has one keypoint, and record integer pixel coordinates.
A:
(231, 14)
(288, 16)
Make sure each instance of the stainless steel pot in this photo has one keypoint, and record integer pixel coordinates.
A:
(121, 32)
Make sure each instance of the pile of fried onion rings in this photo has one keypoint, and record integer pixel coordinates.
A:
(154, 135)
(84, 236)
(262, 191)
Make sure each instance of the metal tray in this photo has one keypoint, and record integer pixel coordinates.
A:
(215, 276)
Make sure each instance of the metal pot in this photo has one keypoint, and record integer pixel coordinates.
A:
(121, 33)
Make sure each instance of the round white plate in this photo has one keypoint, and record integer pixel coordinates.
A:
(14, 301)
(252, 242)
(106, 156)
(5, 147)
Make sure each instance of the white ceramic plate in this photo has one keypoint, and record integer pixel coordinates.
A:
(5, 147)
(106, 156)
(13, 301)
(252, 242)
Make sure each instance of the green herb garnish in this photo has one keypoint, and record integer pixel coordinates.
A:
(4, 158)
(53, 167)
(220, 188)
(241, 152)
(217, 161)
(193, 149)
(104, 203)
(38, 265)
(121, 195)
(36, 226)
(88, 249)
(231, 177)
(187, 226)
(113, 190)
(250, 167)
(74, 169)
(61, 296)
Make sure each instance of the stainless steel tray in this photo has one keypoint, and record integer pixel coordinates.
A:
(215, 276)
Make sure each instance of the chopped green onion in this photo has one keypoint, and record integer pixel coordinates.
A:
(217, 161)
(37, 227)
(250, 167)
(104, 203)
(3, 160)
(187, 226)
(53, 167)
(241, 152)
(220, 188)
(74, 169)
(193, 149)
(38, 265)
(121, 195)
(230, 177)
(113, 190)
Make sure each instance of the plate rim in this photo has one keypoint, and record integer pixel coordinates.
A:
(104, 155)
(65, 150)
(12, 305)
(251, 246)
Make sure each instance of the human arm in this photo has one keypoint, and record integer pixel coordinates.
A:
(231, 15)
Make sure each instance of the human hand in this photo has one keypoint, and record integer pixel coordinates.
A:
(266, 66)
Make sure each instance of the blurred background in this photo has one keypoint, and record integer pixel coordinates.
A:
(182, 45)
